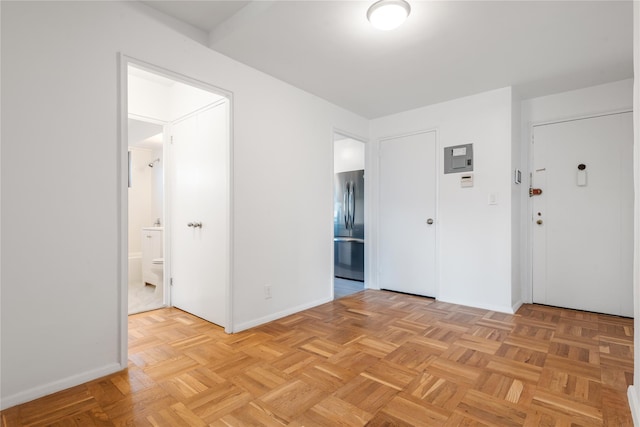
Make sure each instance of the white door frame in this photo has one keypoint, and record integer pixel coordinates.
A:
(367, 206)
(436, 207)
(527, 296)
(122, 199)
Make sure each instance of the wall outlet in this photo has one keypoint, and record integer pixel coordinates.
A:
(267, 291)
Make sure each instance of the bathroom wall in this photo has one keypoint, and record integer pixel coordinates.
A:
(141, 205)
(157, 187)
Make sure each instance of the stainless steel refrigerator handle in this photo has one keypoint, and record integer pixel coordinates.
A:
(352, 203)
(348, 239)
(344, 205)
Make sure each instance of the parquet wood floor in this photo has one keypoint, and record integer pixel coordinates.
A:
(374, 358)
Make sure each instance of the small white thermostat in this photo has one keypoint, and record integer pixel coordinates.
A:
(466, 180)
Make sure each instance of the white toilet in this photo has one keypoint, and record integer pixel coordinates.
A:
(157, 268)
(152, 256)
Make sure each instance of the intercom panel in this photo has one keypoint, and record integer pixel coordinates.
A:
(458, 158)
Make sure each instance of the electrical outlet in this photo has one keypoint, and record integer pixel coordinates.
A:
(267, 291)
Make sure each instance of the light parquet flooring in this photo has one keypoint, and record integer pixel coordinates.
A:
(374, 358)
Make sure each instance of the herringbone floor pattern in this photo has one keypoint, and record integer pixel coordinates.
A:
(375, 358)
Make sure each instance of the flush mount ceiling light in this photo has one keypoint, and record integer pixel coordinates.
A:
(388, 14)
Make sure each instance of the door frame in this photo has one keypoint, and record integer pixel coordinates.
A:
(367, 206)
(527, 295)
(123, 61)
(436, 201)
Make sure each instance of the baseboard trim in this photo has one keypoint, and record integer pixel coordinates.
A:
(55, 386)
(280, 314)
(499, 308)
(516, 306)
(634, 405)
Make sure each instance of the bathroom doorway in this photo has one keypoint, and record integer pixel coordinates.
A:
(146, 213)
(348, 215)
(178, 230)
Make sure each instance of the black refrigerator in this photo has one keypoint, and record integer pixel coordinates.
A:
(348, 225)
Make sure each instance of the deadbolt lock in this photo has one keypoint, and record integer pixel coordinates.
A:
(535, 192)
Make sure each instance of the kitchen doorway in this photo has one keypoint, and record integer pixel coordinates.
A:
(348, 215)
(181, 240)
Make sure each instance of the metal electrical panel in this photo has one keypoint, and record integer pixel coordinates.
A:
(458, 158)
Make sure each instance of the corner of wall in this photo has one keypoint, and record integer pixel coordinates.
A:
(633, 390)
(62, 384)
(517, 210)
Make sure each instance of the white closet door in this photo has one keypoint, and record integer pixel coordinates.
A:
(407, 205)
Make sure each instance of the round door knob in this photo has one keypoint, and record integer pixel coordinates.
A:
(190, 224)
(430, 221)
(539, 222)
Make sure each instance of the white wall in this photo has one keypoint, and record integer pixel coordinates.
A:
(634, 390)
(610, 97)
(140, 196)
(157, 187)
(348, 155)
(579, 103)
(474, 259)
(518, 194)
(61, 316)
(148, 99)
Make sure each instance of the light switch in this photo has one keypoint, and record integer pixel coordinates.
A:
(493, 199)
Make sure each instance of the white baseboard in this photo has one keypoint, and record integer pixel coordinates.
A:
(516, 306)
(275, 316)
(634, 404)
(499, 308)
(55, 386)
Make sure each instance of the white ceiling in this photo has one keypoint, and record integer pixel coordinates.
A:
(445, 50)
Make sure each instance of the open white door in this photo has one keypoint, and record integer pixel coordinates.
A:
(407, 207)
(583, 219)
(199, 213)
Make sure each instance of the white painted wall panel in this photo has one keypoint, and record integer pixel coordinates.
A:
(615, 96)
(474, 237)
(634, 390)
(60, 274)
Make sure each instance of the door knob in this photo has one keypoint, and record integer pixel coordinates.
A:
(430, 221)
(190, 224)
(539, 222)
(197, 225)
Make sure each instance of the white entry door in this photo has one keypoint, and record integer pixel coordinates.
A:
(407, 207)
(199, 213)
(583, 220)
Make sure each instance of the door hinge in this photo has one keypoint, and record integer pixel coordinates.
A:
(171, 139)
(171, 281)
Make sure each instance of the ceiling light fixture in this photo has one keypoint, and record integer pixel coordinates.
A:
(388, 14)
